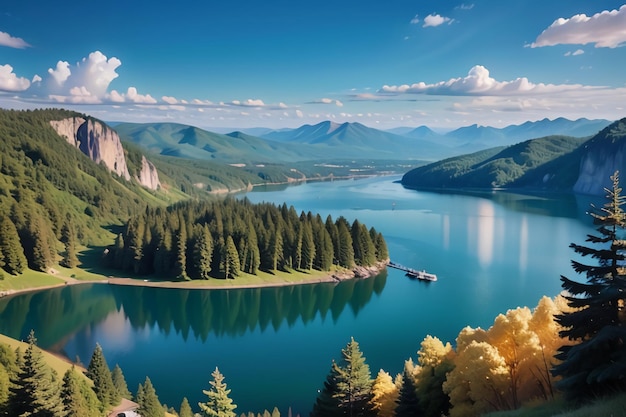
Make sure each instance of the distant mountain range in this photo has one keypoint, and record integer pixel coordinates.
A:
(328, 140)
(561, 163)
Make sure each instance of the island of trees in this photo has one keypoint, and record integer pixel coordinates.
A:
(223, 239)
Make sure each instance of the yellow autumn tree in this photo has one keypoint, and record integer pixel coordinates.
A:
(385, 394)
(479, 381)
(436, 359)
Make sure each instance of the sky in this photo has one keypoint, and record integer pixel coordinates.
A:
(285, 63)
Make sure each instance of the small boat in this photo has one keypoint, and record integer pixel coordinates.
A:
(423, 275)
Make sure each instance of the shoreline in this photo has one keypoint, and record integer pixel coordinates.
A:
(357, 272)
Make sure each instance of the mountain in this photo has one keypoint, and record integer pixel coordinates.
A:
(554, 162)
(475, 137)
(357, 140)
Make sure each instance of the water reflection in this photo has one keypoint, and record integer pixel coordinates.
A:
(58, 315)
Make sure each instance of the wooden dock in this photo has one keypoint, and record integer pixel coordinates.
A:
(414, 273)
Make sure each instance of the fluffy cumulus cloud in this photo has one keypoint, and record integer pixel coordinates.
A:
(12, 42)
(606, 29)
(248, 103)
(433, 20)
(477, 82)
(85, 82)
(131, 96)
(575, 53)
(328, 101)
(9, 81)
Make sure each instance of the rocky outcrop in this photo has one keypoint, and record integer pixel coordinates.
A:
(602, 155)
(148, 176)
(96, 140)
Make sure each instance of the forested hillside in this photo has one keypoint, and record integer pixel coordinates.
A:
(497, 167)
(51, 195)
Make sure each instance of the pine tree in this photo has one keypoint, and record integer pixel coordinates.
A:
(348, 387)
(180, 265)
(11, 248)
(232, 268)
(219, 403)
(203, 252)
(354, 382)
(308, 247)
(99, 372)
(596, 365)
(345, 252)
(327, 402)
(77, 397)
(149, 405)
(68, 237)
(119, 382)
(408, 403)
(185, 409)
(34, 391)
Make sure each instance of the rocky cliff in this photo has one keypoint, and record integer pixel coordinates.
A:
(148, 176)
(96, 140)
(102, 144)
(602, 155)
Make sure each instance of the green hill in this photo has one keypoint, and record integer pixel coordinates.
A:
(511, 166)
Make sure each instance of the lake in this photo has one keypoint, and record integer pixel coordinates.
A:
(491, 252)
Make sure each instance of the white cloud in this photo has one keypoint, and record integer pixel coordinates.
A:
(575, 53)
(477, 82)
(9, 81)
(131, 96)
(464, 6)
(249, 103)
(328, 101)
(36, 79)
(415, 20)
(11, 42)
(61, 73)
(606, 29)
(299, 114)
(433, 20)
(169, 100)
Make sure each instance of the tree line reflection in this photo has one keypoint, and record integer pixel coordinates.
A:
(57, 314)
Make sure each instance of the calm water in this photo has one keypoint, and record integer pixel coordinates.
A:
(275, 345)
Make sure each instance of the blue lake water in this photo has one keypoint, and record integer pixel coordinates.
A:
(491, 253)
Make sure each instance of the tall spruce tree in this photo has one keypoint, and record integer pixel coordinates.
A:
(219, 404)
(596, 364)
(348, 387)
(119, 382)
(77, 398)
(68, 237)
(185, 408)
(10, 247)
(148, 401)
(203, 252)
(34, 391)
(99, 372)
(232, 267)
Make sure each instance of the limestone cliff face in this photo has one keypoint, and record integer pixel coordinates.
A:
(96, 140)
(148, 176)
(602, 155)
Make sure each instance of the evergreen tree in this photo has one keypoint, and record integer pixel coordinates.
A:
(408, 403)
(10, 247)
(118, 252)
(68, 237)
(596, 365)
(219, 403)
(348, 387)
(180, 265)
(99, 372)
(148, 401)
(231, 260)
(354, 382)
(77, 398)
(345, 252)
(308, 247)
(185, 409)
(382, 253)
(327, 401)
(119, 382)
(203, 252)
(34, 391)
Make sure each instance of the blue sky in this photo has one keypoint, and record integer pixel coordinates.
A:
(243, 63)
